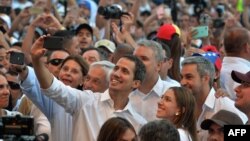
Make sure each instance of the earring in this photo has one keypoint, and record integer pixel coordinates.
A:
(177, 114)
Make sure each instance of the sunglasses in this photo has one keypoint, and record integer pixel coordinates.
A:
(14, 85)
(56, 62)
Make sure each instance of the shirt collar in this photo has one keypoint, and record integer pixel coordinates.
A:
(210, 100)
(106, 97)
(158, 87)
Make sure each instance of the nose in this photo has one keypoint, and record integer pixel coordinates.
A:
(183, 82)
(87, 85)
(237, 89)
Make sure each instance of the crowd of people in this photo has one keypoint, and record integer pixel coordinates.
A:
(126, 70)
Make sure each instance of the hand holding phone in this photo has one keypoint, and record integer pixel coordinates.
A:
(53, 43)
(201, 32)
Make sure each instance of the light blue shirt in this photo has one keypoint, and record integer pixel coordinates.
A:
(61, 122)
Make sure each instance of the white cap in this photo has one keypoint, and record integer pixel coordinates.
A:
(107, 44)
(6, 19)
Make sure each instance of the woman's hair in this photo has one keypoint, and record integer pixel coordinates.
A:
(176, 52)
(114, 128)
(186, 118)
(79, 60)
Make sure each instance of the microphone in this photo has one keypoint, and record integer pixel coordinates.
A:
(42, 137)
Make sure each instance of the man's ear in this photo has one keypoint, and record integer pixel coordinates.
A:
(136, 84)
(170, 63)
(159, 64)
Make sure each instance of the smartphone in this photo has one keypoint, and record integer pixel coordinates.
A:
(202, 31)
(5, 9)
(53, 43)
(2, 29)
(17, 58)
(35, 10)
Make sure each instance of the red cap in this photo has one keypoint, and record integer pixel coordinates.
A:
(166, 31)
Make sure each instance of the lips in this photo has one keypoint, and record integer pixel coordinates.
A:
(66, 81)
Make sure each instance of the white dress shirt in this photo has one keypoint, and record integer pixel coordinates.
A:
(211, 106)
(146, 104)
(229, 64)
(89, 110)
(184, 135)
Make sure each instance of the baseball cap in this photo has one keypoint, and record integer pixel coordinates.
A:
(5, 18)
(222, 117)
(212, 57)
(210, 48)
(107, 44)
(240, 77)
(166, 31)
(84, 26)
(84, 3)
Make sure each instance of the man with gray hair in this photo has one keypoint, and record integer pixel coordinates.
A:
(97, 79)
(198, 75)
(153, 87)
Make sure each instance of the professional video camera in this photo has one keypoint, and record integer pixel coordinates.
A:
(17, 127)
(111, 12)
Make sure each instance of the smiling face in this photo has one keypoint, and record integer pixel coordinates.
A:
(71, 74)
(242, 101)
(96, 79)
(191, 79)
(122, 76)
(167, 106)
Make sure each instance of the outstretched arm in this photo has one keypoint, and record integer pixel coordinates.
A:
(44, 77)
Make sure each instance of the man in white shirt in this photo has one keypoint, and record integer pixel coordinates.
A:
(153, 87)
(236, 44)
(198, 75)
(90, 110)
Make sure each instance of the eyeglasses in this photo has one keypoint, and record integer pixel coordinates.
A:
(56, 62)
(14, 85)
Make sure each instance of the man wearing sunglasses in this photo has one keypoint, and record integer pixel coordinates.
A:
(54, 60)
(15, 90)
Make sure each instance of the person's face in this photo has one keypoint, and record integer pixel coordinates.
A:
(75, 47)
(129, 135)
(55, 61)
(96, 80)
(4, 92)
(14, 86)
(166, 65)
(4, 59)
(85, 38)
(167, 106)
(242, 101)
(147, 56)
(71, 74)
(191, 79)
(91, 56)
(121, 78)
(215, 132)
(5, 2)
(184, 21)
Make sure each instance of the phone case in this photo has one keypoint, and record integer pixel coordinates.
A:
(53, 43)
(17, 58)
(202, 31)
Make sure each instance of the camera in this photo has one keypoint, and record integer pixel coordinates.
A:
(111, 12)
(17, 58)
(17, 127)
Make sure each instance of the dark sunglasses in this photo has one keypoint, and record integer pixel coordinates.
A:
(56, 62)
(14, 85)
